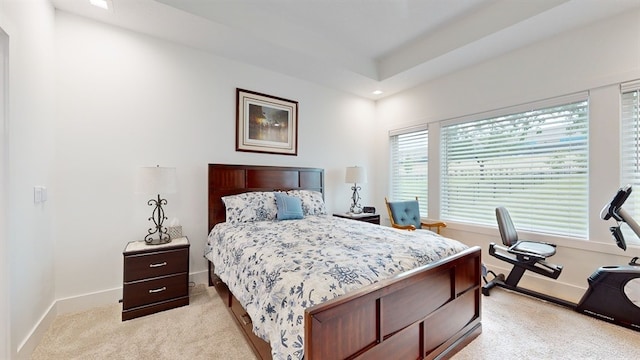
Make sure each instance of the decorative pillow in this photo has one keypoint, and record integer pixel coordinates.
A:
(250, 206)
(289, 207)
(312, 201)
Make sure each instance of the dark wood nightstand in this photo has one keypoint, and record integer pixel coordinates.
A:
(156, 277)
(370, 218)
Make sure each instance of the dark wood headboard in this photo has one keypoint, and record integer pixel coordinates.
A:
(227, 179)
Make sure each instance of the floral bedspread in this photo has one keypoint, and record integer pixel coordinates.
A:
(276, 269)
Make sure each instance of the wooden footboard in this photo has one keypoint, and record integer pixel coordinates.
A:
(428, 313)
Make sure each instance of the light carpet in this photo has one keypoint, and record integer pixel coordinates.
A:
(202, 330)
(514, 327)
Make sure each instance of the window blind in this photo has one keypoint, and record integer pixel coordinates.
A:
(409, 170)
(630, 148)
(533, 162)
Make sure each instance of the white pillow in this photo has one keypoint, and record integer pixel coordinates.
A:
(250, 206)
(312, 202)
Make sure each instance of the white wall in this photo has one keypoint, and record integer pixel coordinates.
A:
(126, 100)
(4, 182)
(596, 58)
(29, 26)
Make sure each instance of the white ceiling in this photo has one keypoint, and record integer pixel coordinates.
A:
(354, 45)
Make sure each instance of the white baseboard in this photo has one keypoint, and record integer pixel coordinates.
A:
(79, 303)
(106, 297)
(200, 277)
(88, 301)
(25, 349)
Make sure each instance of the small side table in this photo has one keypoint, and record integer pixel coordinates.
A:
(370, 218)
(156, 277)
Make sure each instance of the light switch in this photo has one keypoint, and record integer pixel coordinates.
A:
(39, 194)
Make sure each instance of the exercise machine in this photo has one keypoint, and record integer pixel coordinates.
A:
(614, 291)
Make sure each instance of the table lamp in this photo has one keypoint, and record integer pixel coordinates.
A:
(355, 175)
(157, 180)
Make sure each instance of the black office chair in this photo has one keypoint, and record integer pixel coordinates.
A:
(523, 255)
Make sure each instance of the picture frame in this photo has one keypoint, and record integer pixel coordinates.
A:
(266, 124)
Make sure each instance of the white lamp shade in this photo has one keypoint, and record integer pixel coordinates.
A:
(156, 180)
(355, 175)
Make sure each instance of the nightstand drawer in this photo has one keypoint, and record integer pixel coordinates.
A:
(144, 266)
(155, 290)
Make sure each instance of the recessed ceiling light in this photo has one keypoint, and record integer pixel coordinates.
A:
(100, 3)
(377, 92)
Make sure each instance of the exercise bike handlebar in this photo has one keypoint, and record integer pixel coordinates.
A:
(611, 209)
(614, 210)
(624, 215)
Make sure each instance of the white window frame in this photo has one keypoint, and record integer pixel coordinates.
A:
(520, 208)
(396, 191)
(630, 152)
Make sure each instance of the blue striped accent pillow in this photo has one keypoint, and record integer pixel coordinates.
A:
(289, 207)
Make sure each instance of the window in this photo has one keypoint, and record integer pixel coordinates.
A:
(534, 162)
(630, 147)
(409, 160)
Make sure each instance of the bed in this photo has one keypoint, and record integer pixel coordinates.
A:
(425, 312)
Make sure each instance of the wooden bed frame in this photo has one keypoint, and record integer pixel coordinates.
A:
(427, 313)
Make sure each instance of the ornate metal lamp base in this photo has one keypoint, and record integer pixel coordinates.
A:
(157, 241)
(355, 197)
(158, 218)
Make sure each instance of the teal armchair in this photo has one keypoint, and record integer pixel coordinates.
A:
(406, 215)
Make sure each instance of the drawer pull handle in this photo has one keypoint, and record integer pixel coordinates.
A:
(246, 319)
(153, 291)
(164, 263)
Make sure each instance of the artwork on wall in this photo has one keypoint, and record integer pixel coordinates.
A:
(266, 123)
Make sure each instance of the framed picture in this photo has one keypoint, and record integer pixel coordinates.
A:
(266, 124)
